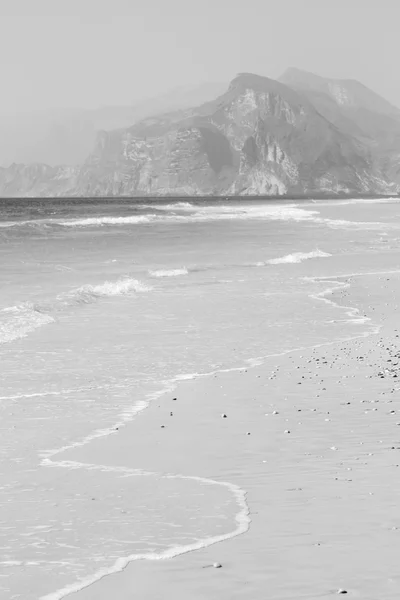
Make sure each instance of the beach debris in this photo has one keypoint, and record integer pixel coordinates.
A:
(162, 426)
(224, 416)
(275, 412)
(171, 414)
(248, 433)
(342, 591)
(174, 398)
(217, 565)
(287, 431)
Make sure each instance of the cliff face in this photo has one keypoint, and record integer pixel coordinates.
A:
(261, 137)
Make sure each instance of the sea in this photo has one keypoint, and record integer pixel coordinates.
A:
(105, 305)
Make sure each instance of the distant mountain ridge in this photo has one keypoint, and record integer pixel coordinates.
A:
(67, 136)
(301, 134)
(345, 92)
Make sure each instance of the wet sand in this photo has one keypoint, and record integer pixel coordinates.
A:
(313, 438)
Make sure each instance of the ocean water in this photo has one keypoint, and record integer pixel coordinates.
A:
(106, 305)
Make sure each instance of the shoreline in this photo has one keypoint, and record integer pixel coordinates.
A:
(331, 196)
(174, 384)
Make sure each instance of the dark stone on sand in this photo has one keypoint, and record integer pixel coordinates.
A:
(342, 591)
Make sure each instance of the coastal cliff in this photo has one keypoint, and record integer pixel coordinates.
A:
(262, 137)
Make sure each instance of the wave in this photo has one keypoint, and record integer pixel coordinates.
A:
(363, 225)
(198, 214)
(297, 257)
(344, 202)
(90, 293)
(90, 221)
(189, 213)
(168, 272)
(7, 224)
(173, 206)
(17, 321)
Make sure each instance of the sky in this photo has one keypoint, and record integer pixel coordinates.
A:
(93, 53)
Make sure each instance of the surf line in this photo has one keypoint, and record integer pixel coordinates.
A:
(242, 518)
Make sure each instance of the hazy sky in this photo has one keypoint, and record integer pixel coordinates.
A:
(90, 53)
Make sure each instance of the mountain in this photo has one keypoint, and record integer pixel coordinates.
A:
(67, 136)
(357, 111)
(260, 137)
(347, 93)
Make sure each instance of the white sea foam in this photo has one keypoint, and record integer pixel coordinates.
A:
(275, 212)
(90, 221)
(17, 321)
(7, 224)
(90, 293)
(285, 212)
(298, 257)
(173, 206)
(242, 524)
(168, 272)
(363, 225)
(344, 202)
(194, 214)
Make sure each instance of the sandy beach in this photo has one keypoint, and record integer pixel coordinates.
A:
(313, 439)
(208, 407)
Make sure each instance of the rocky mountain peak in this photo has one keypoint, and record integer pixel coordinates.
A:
(298, 136)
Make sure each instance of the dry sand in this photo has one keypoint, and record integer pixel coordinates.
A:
(322, 474)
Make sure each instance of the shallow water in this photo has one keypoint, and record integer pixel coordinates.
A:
(102, 305)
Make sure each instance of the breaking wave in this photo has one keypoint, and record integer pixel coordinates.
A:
(17, 321)
(184, 212)
(196, 214)
(168, 272)
(173, 206)
(90, 293)
(90, 221)
(344, 202)
(297, 257)
(362, 225)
